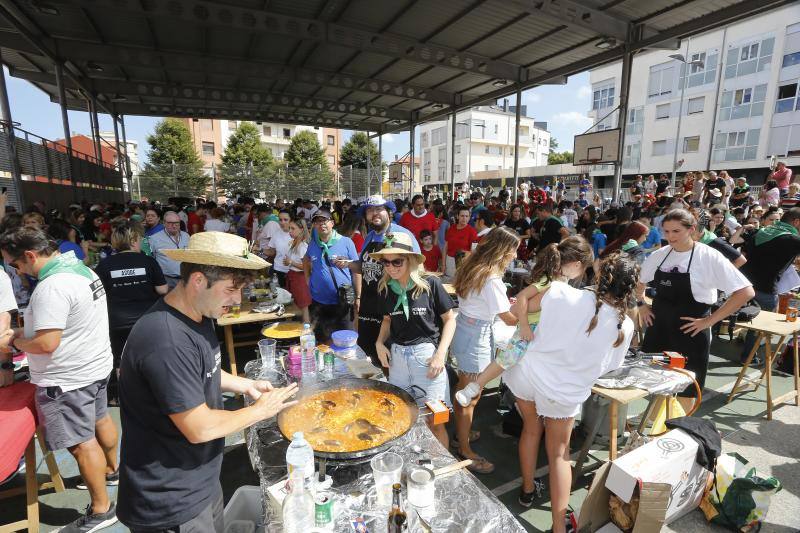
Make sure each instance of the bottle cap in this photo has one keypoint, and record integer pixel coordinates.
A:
(298, 435)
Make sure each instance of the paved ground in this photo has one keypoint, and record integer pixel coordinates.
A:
(773, 447)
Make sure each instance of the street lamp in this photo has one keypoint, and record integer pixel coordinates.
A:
(694, 62)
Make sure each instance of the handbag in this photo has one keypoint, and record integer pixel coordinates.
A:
(345, 295)
(746, 313)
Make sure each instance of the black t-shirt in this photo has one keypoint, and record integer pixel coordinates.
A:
(723, 247)
(520, 226)
(718, 183)
(661, 186)
(550, 232)
(130, 280)
(170, 364)
(766, 262)
(739, 190)
(424, 314)
(636, 188)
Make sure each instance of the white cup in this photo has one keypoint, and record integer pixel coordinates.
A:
(386, 469)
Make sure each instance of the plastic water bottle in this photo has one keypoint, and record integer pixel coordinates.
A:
(308, 346)
(273, 286)
(298, 506)
(300, 458)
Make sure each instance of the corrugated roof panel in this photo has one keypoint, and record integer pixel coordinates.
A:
(500, 43)
(295, 8)
(422, 20)
(482, 22)
(543, 48)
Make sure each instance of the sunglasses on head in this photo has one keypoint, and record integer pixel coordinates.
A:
(394, 262)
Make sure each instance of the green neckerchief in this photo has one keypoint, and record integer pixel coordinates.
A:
(628, 245)
(65, 263)
(324, 246)
(402, 294)
(595, 231)
(777, 229)
(708, 236)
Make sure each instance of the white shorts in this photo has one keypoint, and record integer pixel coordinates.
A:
(544, 406)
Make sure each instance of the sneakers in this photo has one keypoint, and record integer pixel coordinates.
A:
(112, 480)
(465, 396)
(526, 498)
(89, 522)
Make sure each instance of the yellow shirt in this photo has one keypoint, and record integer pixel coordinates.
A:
(542, 284)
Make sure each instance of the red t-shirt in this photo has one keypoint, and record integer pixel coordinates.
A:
(432, 258)
(416, 224)
(358, 240)
(194, 219)
(459, 240)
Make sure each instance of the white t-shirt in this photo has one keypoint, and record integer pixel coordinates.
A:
(215, 224)
(650, 187)
(280, 241)
(297, 255)
(269, 230)
(568, 217)
(7, 300)
(563, 361)
(710, 271)
(77, 306)
(487, 303)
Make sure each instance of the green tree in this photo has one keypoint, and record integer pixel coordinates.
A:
(247, 165)
(559, 158)
(354, 152)
(173, 162)
(553, 145)
(305, 152)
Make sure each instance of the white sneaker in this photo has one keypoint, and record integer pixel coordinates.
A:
(465, 396)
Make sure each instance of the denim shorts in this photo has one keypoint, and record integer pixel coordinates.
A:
(473, 344)
(409, 366)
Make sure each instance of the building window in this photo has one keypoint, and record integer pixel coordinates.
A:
(287, 133)
(602, 97)
(331, 140)
(691, 144)
(749, 58)
(332, 160)
(743, 103)
(458, 148)
(439, 136)
(632, 155)
(788, 98)
(458, 169)
(267, 131)
(659, 148)
(695, 105)
(736, 145)
(661, 80)
(700, 75)
(208, 148)
(206, 124)
(635, 121)
(423, 139)
(790, 60)
(496, 129)
(662, 111)
(493, 150)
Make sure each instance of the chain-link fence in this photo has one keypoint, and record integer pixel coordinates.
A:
(267, 184)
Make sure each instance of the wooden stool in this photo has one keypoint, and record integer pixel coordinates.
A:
(32, 487)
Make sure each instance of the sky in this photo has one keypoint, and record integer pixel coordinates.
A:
(563, 107)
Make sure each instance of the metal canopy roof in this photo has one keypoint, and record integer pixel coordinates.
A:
(375, 65)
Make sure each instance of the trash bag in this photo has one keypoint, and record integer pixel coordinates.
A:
(739, 498)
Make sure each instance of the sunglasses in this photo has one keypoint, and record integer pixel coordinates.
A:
(394, 262)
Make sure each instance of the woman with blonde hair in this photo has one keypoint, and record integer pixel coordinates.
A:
(418, 320)
(482, 300)
(296, 282)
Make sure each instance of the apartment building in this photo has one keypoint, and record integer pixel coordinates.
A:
(737, 90)
(484, 141)
(133, 149)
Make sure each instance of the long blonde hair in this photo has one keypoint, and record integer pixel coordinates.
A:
(487, 260)
(416, 273)
(304, 234)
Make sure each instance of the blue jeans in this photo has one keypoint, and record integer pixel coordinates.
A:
(768, 302)
(409, 366)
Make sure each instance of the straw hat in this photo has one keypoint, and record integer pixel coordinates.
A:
(397, 244)
(218, 249)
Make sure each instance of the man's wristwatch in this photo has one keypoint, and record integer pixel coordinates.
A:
(7, 365)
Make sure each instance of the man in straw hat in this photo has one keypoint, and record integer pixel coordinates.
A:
(173, 419)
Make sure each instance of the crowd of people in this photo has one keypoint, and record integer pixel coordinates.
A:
(119, 303)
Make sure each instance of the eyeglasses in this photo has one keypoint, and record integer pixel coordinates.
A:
(397, 263)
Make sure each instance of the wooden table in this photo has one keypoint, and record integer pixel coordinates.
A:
(248, 316)
(767, 324)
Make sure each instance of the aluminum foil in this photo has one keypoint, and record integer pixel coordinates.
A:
(462, 503)
(655, 379)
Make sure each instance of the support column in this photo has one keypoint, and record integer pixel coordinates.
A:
(125, 144)
(411, 161)
(625, 87)
(516, 145)
(380, 162)
(117, 146)
(96, 124)
(62, 102)
(454, 118)
(5, 107)
(369, 165)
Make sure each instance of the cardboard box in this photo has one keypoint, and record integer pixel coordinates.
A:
(670, 484)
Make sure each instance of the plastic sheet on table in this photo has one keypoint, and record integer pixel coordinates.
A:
(462, 503)
(655, 379)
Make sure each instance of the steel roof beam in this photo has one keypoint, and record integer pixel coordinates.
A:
(177, 60)
(577, 15)
(244, 19)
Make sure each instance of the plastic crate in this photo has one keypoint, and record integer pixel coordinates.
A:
(245, 504)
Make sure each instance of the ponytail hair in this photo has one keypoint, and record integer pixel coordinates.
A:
(616, 286)
(553, 256)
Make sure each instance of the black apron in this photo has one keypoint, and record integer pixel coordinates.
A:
(673, 300)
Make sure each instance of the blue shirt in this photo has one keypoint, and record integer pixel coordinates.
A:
(155, 229)
(653, 238)
(598, 243)
(323, 290)
(443, 230)
(69, 246)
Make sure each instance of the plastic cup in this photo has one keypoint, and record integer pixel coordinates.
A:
(386, 469)
(266, 348)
